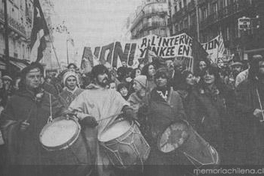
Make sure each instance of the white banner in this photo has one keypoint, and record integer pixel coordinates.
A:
(215, 48)
(130, 52)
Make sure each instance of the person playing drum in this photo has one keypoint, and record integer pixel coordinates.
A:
(26, 113)
(94, 106)
(163, 107)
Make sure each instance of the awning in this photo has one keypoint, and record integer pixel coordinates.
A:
(2, 65)
(19, 65)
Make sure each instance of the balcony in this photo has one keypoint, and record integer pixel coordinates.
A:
(225, 12)
(2, 16)
(147, 14)
(202, 2)
(13, 24)
(16, 26)
(148, 26)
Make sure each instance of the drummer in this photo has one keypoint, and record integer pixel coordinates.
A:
(95, 104)
(25, 115)
(163, 106)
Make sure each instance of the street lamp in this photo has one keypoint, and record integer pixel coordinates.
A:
(67, 51)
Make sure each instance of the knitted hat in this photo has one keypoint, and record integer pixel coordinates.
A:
(236, 64)
(6, 77)
(67, 75)
(142, 80)
(162, 72)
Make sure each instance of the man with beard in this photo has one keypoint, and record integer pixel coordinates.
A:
(250, 114)
(94, 106)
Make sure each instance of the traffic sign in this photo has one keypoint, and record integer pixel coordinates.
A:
(244, 23)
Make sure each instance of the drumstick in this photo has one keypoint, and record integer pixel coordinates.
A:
(260, 104)
(109, 117)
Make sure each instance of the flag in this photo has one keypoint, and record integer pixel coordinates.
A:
(221, 47)
(198, 54)
(38, 33)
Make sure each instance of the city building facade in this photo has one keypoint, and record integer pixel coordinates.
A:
(150, 18)
(20, 22)
(205, 19)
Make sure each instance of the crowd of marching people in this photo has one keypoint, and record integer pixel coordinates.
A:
(223, 104)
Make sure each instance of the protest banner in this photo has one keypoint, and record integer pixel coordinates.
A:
(215, 48)
(174, 47)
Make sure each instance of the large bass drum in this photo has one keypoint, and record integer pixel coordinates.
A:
(180, 136)
(124, 145)
(63, 140)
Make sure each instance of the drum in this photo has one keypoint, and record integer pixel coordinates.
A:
(63, 141)
(124, 145)
(182, 137)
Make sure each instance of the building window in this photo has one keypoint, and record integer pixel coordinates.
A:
(185, 23)
(222, 4)
(181, 26)
(214, 7)
(228, 33)
(176, 27)
(175, 8)
(184, 3)
(192, 19)
(236, 31)
(203, 13)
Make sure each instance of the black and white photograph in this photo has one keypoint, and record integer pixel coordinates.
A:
(131, 87)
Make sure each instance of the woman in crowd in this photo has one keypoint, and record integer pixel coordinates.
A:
(202, 65)
(122, 88)
(186, 85)
(163, 106)
(208, 110)
(71, 88)
(139, 85)
(149, 70)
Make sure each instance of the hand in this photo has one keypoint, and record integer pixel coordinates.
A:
(24, 126)
(68, 112)
(129, 113)
(258, 113)
(89, 121)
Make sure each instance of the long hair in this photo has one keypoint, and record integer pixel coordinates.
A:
(213, 71)
(146, 68)
(182, 82)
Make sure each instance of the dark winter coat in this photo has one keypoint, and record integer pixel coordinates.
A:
(24, 146)
(160, 115)
(210, 113)
(251, 130)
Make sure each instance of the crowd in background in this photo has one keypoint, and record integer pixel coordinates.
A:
(222, 103)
